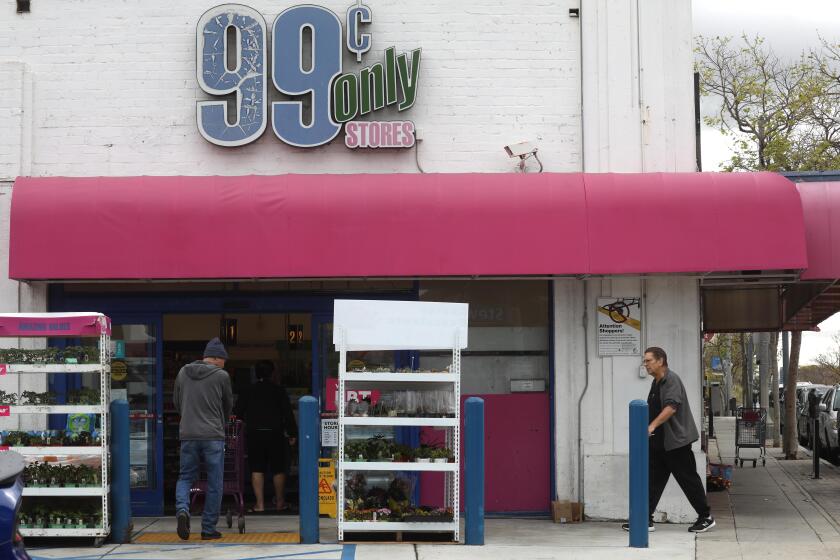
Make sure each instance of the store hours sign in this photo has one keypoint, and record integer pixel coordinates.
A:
(232, 58)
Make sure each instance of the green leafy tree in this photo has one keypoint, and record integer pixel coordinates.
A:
(781, 115)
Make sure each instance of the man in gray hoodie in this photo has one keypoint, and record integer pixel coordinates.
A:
(204, 399)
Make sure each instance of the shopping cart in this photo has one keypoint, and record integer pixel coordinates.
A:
(751, 433)
(234, 473)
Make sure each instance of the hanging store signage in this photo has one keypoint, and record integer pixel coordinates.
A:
(619, 326)
(232, 58)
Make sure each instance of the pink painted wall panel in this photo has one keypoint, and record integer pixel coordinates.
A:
(517, 454)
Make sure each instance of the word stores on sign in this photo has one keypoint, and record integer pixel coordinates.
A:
(231, 57)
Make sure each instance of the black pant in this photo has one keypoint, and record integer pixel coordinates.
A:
(680, 463)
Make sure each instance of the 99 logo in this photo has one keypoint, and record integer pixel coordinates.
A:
(232, 58)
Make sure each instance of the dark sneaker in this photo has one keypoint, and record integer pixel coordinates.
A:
(211, 536)
(183, 525)
(702, 524)
(651, 528)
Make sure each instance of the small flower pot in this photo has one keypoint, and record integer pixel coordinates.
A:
(441, 460)
(423, 460)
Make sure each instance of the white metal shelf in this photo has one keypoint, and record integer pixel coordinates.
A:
(60, 451)
(56, 409)
(402, 377)
(40, 532)
(395, 466)
(397, 421)
(400, 526)
(57, 368)
(103, 366)
(66, 492)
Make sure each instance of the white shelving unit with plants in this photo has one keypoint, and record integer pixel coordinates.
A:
(90, 483)
(364, 325)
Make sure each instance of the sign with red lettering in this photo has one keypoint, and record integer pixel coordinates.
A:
(349, 395)
(5, 410)
(3, 369)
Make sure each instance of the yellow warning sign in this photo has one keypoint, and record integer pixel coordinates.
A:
(326, 487)
(119, 371)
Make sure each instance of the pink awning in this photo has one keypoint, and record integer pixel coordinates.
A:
(821, 205)
(328, 226)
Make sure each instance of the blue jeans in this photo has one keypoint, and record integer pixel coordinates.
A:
(213, 453)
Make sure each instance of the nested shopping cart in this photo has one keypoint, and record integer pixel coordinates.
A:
(751, 433)
(234, 473)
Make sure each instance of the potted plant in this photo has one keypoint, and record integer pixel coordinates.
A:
(426, 514)
(355, 450)
(441, 455)
(403, 453)
(378, 449)
(423, 454)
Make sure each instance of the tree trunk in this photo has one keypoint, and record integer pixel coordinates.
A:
(763, 369)
(791, 439)
(774, 386)
(746, 392)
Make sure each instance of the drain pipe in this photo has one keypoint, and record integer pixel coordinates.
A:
(585, 324)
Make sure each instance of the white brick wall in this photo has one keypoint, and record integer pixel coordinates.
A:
(115, 90)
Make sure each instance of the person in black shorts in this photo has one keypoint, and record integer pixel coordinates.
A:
(270, 431)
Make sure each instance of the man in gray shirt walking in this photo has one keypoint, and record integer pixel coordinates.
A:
(672, 431)
(204, 399)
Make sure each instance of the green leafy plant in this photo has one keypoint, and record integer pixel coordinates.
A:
(34, 398)
(84, 396)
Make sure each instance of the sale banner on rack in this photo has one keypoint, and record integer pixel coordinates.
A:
(349, 395)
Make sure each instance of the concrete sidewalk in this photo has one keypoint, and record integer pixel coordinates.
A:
(506, 539)
(772, 511)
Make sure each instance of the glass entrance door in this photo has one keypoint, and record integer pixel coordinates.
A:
(136, 377)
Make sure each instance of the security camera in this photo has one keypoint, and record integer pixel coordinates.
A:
(520, 149)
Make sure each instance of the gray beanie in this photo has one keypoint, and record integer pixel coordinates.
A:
(215, 349)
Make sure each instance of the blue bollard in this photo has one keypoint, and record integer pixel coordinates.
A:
(639, 514)
(120, 473)
(474, 471)
(309, 442)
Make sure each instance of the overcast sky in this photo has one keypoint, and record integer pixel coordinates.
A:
(789, 28)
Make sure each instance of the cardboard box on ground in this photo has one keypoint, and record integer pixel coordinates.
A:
(564, 511)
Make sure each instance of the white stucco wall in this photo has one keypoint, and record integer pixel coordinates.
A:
(637, 116)
(671, 320)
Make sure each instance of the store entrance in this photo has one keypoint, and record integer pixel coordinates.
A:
(285, 339)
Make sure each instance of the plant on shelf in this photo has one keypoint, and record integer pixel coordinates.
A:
(423, 454)
(33, 398)
(79, 354)
(355, 450)
(69, 355)
(84, 397)
(403, 453)
(46, 475)
(426, 514)
(378, 448)
(8, 398)
(441, 455)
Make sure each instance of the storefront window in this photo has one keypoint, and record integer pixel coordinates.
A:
(508, 334)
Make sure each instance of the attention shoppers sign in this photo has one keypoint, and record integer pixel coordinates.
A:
(321, 99)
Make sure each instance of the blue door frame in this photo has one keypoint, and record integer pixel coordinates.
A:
(128, 307)
(149, 502)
